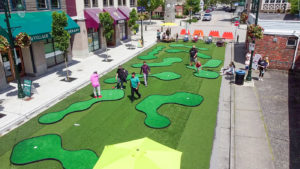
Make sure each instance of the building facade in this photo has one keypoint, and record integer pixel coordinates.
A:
(41, 55)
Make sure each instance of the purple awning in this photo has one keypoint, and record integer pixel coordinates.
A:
(92, 17)
(125, 11)
(115, 14)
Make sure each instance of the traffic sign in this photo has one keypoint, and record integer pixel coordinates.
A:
(237, 23)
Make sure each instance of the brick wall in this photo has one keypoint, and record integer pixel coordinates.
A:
(280, 55)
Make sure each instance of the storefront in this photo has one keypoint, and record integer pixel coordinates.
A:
(124, 30)
(41, 54)
(93, 28)
(120, 26)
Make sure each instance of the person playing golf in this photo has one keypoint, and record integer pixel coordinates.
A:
(134, 83)
(95, 83)
(193, 55)
(198, 66)
(146, 70)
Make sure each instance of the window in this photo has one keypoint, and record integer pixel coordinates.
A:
(42, 4)
(120, 2)
(124, 2)
(278, 1)
(291, 41)
(55, 4)
(1, 7)
(87, 3)
(93, 39)
(14, 4)
(104, 2)
(272, 1)
(95, 3)
(53, 56)
(266, 1)
(132, 3)
(111, 2)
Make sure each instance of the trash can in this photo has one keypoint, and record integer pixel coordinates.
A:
(239, 77)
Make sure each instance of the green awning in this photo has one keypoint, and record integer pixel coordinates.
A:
(36, 24)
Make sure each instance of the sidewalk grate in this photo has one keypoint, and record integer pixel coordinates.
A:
(2, 115)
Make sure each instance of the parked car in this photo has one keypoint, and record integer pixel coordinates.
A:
(197, 16)
(206, 17)
(207, 11)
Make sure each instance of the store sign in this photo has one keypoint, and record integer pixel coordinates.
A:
(75, 30)
(121, 21)
(39, 37)
(27, 87)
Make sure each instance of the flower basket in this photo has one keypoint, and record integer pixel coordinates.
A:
(254, 32)
(244, 18)
(4, 45)
(23, 40)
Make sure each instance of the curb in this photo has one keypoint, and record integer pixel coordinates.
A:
(23, 119)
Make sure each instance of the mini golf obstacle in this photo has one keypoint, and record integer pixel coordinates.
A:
(107, 95)
(49, 147)
(200, 55)
(151, 55)
(165, 62)
(187, 46)
(151, 103)
(204, 73)
(212, 63)
(162, 76)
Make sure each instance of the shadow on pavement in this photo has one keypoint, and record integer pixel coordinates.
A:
(294, 118)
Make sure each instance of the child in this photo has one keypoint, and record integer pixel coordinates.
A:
(198, 66)
(95, 83)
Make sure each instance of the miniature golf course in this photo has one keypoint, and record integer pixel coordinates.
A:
(74, 132)
(151, 55)
(49, 147)
(161, 76)
(150, 105)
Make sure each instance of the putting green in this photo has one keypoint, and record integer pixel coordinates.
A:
(187, 46)
(54, 117)
(165, 62)
(212, 63)
(161, 76)
(49, 147)
(200, 55)
(151, 103)
(204, 73)
(151, 55)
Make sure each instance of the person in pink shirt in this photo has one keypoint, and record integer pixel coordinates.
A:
(95, 83)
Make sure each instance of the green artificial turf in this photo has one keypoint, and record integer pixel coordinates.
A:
(111, 122)
(161, 76)
(150, 105)
(200, 55)
(212, 63)
(187, 46)
(80, 106)
(204, 73)
(49, 147)
(165, 62)
(151, 55)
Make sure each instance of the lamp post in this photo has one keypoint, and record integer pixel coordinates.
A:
(249, 75)
(21, 13)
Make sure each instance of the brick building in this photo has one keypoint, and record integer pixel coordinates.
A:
(280, 43)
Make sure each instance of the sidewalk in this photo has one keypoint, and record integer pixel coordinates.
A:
(51, 89)
(241, 139)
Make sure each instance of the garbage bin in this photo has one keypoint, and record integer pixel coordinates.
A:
(239, 77)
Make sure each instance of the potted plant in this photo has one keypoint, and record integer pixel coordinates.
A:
(254, 32)
(23, 40)
(4, 44)
(244, 18)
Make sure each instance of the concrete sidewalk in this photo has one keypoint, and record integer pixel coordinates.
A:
(241, 139)
(51, 89)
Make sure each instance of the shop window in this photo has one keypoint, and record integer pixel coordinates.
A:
(42, 4)
(93, 39)
(111, 2)
(1, 7)
(95, 3)
(55, 4)
(53, 55)
(124, 2)
(6, 64)
(291, 41)
(132, 3)
(123, 30)
(87, 3)
(14, 4)
(104, 2)
(120, 2)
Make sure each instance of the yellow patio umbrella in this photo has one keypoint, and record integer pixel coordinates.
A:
(139, 154)
(169, 24)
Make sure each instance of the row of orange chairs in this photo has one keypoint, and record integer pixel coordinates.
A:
(226, 35)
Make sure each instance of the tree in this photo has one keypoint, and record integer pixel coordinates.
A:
(153, 5)
(294, 6)
(191, 5)
(60, 36)
(132, 20)
(108, 29)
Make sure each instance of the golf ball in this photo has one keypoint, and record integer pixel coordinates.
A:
(35, 147)
(187, 98)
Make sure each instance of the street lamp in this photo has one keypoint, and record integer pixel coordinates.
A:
(21, 13)
(252, 46)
